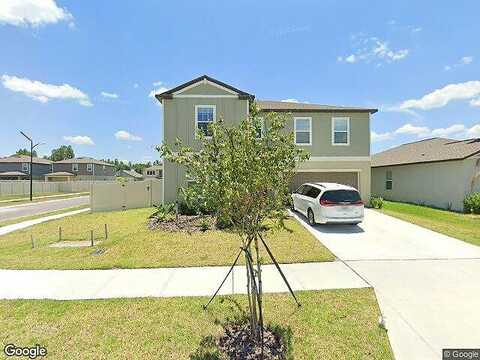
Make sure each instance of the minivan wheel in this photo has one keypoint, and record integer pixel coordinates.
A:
(310, 217)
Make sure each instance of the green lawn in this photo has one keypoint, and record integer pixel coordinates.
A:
(333, 324)
(132, 245)
(9, 200)
(465, 227)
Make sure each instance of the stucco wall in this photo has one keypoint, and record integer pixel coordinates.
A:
(442, 184)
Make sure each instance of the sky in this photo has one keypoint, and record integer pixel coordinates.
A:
(83, 72)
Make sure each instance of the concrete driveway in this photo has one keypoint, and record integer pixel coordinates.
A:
(36, 208)
(427, 284)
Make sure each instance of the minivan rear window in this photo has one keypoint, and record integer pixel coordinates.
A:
(341, 196)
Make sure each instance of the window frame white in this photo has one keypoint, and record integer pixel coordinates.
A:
(387, 180)
(26, 167)
(214, 107)
(74, 167)
(309, 118)
(89, 167)
(337, 131)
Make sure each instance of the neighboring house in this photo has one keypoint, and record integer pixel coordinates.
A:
(337, 137)
(82, 168)
(17, 167)
(437, 172)
(155, 171)
(130, 175)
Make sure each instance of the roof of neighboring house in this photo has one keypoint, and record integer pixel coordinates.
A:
(429, 150)
(60, 173)
(169, 93)
(24, 159)
(13, 173)
(83, 160)
(154, 167)
(284, 106)
(131, 173)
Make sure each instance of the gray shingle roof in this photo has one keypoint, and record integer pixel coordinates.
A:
(83, 160)
(430, 150)
(24, 159)
(268, 105)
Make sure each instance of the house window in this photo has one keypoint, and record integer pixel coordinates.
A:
(389, 180)
(75, 167)
(204, 115)
(303, 130)
(341, 131)
(89, 167)
(26, 168)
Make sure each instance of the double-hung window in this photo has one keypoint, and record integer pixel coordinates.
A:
(75, 167)
(340, 131)
(303, 130)
(204, 116)
(389, 180)
(89, 167)
(26, 168)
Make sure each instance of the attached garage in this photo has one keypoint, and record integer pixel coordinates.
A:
(345, 178)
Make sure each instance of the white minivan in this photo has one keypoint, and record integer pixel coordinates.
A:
(328, 203)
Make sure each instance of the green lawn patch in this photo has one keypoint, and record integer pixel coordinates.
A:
(132, 245)
(333, 324)
(465, 227)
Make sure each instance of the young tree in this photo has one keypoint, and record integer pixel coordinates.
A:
(64, 152)
(25, 152)
(243, 174)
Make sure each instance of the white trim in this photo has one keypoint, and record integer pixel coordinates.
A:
(26, 168)
(205, 96)
(214, 107)
(74, 165)
(295, 130)
(333, 130)
(339, 158)
(204, 81)
(90, 166)
(328, 170)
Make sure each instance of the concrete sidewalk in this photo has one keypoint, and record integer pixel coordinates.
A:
(167, 282)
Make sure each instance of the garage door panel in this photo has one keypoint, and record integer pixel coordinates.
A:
(345, 178)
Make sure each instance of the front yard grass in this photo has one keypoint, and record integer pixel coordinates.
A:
(132, 245)
(333, 324)
(465, 227)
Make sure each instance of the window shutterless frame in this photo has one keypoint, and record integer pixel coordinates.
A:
(75, 167)
(197, 107)
(89, 167)
(388, 180)
(302, 131)
(26, 167)
(347, 131)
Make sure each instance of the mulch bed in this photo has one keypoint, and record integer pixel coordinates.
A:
(185, 223)
(236, 343)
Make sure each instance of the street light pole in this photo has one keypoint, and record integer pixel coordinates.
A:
(31, 162)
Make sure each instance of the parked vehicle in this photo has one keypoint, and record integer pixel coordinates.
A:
(328, 203)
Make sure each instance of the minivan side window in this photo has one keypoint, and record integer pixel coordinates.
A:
(300, 189)
(306, 189)
(313, 192)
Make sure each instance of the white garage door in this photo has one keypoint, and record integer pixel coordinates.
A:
(345, 178)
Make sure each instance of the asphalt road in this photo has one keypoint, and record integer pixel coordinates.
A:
(16, 211)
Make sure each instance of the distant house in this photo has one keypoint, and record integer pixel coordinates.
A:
(437, 172)
(17, 167)
(81, 168)
(131, 175)
(155, 171)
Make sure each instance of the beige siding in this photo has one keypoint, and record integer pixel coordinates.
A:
(440, 184)
(345, 178)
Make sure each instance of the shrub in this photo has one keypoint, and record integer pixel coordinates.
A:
(376, 202)
(471, 203)
(163, 212)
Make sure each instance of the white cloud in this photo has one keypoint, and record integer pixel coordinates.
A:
(444, 132)
(380, 137)
(475, 102)
(410, 129)
(109, 95)
(32, 12)
(466, 60)
(474, 131)
(368, 49)
(126, 136)
(159, 88)
(441, 97)
(45, 92)
(135, 86)
(79, 140)
(290, 100)
(416, 29)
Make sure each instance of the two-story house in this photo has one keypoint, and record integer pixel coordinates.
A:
(17, 167)
(337, 137)
(81, 168)
(155, 171)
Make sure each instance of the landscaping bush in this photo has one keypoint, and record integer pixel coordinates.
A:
(471, 203)
(376, 202)
(163, 212)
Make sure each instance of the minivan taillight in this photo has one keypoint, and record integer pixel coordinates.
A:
(359, 202)
(327, 202)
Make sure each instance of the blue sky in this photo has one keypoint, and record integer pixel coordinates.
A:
(417, 61)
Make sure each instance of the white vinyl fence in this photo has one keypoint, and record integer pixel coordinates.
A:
(127, 195)
(22, 187)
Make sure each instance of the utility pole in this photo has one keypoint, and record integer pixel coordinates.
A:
(32, 147)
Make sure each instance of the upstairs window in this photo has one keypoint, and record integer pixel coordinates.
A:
(341, 131)
(75, 167)
(389, 180)
(204, 115)
(303, 130)
(26, 168)
(89, 167)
